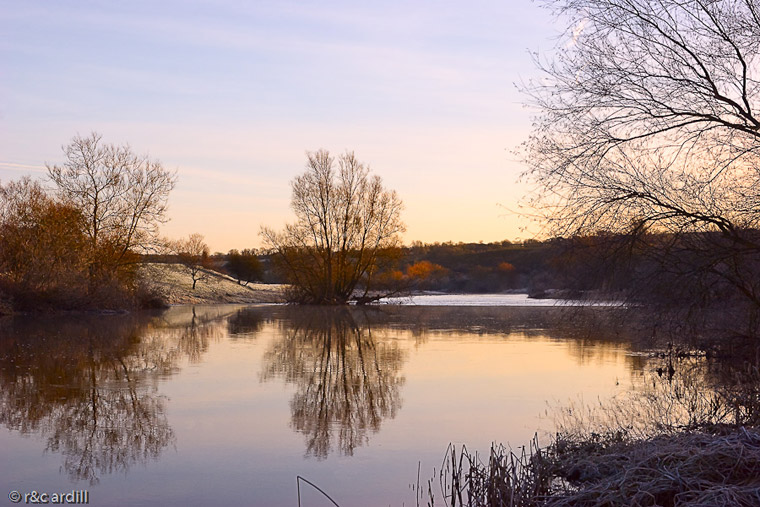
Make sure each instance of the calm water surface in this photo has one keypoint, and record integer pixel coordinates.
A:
(227, 404)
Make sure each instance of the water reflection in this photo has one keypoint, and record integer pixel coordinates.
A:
(347, 381)
(89, 384)
(591, 335)
(245, 322)
(183, 332)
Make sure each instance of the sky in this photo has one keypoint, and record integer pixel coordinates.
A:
(232, 95)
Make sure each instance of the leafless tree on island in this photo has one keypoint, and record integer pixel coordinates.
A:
(346, 224)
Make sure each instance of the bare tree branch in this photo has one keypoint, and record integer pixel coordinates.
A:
(122, 195)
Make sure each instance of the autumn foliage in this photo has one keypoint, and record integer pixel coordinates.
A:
(77, 245)
(46, 259)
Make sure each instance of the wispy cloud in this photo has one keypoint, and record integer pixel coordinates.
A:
(25, 168)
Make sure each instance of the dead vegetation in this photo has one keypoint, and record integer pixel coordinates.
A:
(692, 468)
(690, 436)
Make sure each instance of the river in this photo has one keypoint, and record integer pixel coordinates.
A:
(227, 405)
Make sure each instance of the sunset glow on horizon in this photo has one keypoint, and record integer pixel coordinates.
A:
(232, 96)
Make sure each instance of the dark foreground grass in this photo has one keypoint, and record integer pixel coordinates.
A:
(689, 435)
(697, 468)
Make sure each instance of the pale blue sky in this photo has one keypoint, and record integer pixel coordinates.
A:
(232, 95)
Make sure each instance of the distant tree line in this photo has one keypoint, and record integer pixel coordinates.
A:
(476, 267)
(446, 267)
(643, 268)
(531, 266)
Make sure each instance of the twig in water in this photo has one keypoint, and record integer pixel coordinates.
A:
(298, 484)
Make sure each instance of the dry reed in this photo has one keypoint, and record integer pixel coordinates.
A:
(687, 469)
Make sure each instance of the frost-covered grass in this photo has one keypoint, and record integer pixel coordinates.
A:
(173, 284)
(692, 438)
(690, 468)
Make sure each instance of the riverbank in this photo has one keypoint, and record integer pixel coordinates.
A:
(715, 466)
(173, 285)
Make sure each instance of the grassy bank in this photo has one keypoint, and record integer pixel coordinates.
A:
(716, 467)
(173, 284)
(153, 285)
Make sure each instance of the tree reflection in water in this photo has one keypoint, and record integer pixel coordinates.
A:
(245, 322)
(88, 385)
(347, 381)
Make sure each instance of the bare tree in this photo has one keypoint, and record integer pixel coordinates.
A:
(648, 122)
(245, 266)
(346, 222)
(122, 195)
(193, 253)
